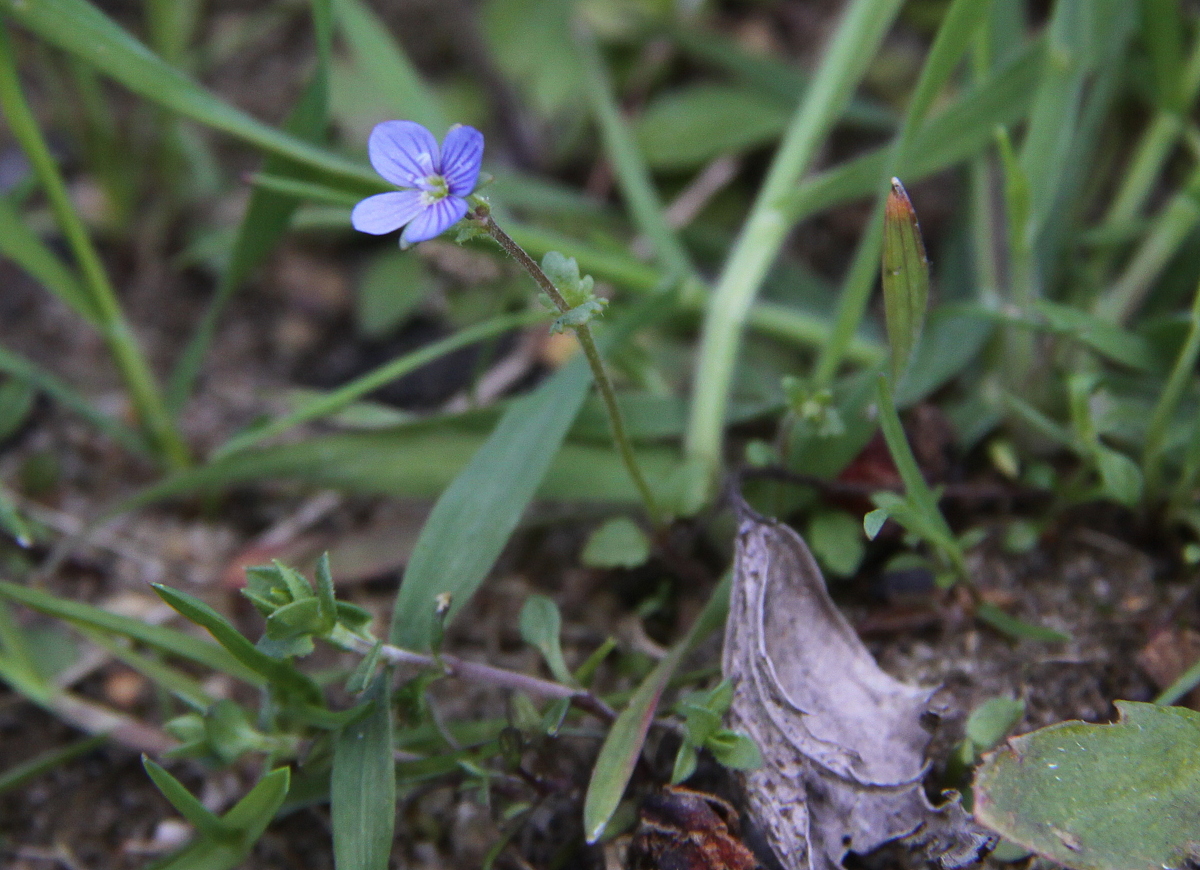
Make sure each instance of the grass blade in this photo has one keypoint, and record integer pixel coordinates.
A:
(80, 28)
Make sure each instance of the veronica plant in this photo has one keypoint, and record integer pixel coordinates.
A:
(437, 192)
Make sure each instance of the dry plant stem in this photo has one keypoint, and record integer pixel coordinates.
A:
(584, 333)
(475, 672)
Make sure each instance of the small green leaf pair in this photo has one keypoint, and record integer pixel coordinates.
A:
(702, 713)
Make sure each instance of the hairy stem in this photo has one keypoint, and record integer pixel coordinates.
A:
(583, 332)
(476, 672)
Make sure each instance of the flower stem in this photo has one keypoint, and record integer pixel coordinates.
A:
(583, 333)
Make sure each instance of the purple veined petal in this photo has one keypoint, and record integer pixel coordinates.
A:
(434, 220)
(462, 153)
(387, 212)
(404, 153)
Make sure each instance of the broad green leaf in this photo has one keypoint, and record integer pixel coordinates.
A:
(83, 30)
(685, 129)
(905, 278)
(992, 720)
(1119, 475)
(1102, 336)
(161, 638)
(540, 625)
(1124, 796)
(618, 543)
(474, 517)
(623, 744)
(362, 790)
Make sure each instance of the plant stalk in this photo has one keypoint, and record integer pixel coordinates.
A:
(583, 333)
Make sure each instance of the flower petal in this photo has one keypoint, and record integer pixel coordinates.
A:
(462, 153)
(386, 212)
(434, 220)
(404, 153)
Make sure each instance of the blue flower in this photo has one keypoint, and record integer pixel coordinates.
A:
(436, 182)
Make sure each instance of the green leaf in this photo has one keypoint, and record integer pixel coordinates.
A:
(992, 720)
(531, 41)
(836, 539)
(166, 640)
(362, 789)
(392, 286)
(247, 819)
(618, 543)
(1014, 627)
(685, 763)
(625, 738)
(1124, 796)
(81, 29)
(1120, 476)
(477, 513)
(686, 128)
(281, 674)
(540, 626)
(734, 749)
(905, 278)
(19, 244)
(207, 823)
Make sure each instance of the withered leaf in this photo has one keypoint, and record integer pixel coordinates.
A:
(842, 741)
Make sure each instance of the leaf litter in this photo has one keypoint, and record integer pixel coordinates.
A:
(843, 743)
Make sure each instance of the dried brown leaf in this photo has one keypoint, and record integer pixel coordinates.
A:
(842, 741)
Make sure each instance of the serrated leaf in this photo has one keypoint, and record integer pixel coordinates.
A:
(1124, 796)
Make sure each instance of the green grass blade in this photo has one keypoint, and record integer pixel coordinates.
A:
(625, 738)
(207, 823)
(102, 299)
(80, 28)
(22, 369)
(854, 43)
(19, 244)
(248, 819)
(17, 776)
(1183, 373)
(632, 175)
(267, 215)
(477, 513)
(965, 128)
(954, 38)
(336, 400)
(362, 790)
(166, 640)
